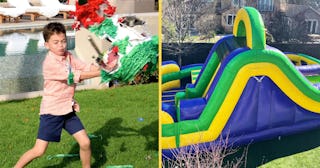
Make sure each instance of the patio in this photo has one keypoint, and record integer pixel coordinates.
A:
(25, 23)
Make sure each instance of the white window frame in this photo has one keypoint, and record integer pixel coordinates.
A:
(238, 3)
(265, 5)
(233, 16)
(310, 29)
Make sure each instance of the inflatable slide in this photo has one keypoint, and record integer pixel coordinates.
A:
(245, 90)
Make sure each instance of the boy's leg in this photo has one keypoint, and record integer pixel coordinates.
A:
(38, 150)
(85, 149)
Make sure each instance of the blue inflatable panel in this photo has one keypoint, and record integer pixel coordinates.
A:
(308, 70)
(316, 85)
(190, 66)
(265, 112)
(221, 69)
(168, 62)
(191, 108)
(190, 85)
(170, 94)
(170, 109)
(213, 49)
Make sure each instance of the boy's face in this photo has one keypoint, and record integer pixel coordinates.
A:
(57, 44)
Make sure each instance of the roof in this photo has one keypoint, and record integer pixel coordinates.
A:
(292, 10)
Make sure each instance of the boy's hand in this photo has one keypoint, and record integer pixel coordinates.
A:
(95, 67)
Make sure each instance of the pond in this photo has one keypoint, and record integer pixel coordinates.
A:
(21, 56)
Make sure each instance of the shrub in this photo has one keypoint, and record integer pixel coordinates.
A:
(148, 74)
(200, 156)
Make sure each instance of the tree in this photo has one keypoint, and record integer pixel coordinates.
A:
(299, 32)
(278, 27)
(206, 24)
(314, 3)
(178, 19)
(284, 28)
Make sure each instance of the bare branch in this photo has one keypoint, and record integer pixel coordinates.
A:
(179, 20)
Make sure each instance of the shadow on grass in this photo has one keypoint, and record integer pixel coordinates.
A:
(111, 128)
(150, 132)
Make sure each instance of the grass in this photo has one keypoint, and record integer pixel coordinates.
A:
(309, 159)
(125, 117)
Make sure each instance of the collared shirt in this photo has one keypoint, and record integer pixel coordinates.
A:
(57, 98)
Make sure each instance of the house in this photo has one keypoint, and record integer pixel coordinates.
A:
(310, 15)
(269, 9)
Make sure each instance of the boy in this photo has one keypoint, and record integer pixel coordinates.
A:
(61, 72)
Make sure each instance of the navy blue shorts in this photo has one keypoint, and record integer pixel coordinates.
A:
(51, 126)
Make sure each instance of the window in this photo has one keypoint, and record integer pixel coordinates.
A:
(235, 2)
(265, 5)
(238, 3)
(312, 26)
(230, 19)
(156, 5)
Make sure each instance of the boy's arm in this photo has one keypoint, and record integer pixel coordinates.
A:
(94, 72)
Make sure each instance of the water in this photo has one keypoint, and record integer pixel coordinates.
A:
(21, 56)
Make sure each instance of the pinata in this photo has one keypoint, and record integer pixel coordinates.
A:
(132, 51)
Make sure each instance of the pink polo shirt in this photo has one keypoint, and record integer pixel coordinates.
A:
(57, 95)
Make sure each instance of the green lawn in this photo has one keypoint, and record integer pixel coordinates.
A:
(307, 159)
(126, 118)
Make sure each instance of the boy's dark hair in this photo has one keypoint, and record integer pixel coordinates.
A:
(53, 28)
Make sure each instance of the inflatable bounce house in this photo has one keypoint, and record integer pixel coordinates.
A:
(114, 41)
(246, 91)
